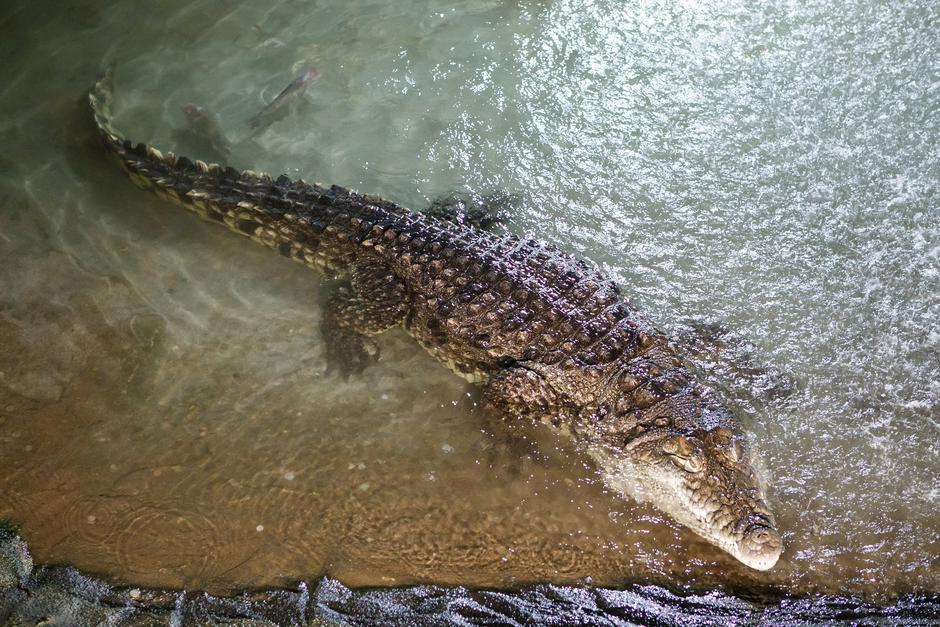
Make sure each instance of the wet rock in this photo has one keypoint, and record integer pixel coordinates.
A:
(543, 604)
(275, 607)
(147, 619)
(10, 598)
(160, 601)
(16, 564)
(52, 605)
(633, 605)
(63, 596)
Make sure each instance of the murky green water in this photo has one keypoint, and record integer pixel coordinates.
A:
(165, 417)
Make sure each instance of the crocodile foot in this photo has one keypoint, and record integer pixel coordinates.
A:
(724, 357)
(347, 352)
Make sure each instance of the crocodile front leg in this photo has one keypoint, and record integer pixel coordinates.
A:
(374, 301)
(520, 393)
(519, 396)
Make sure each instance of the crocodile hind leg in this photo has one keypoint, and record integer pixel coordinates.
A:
(483, 211)
(374, 301)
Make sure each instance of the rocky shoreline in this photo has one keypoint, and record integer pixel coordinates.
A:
(33, 595)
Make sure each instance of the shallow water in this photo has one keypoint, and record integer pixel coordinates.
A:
(165, 415)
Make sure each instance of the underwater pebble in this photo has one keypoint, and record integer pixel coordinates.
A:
(259, 528)
(289, 476)
(134, 593)
(447, 448)
(364, 486)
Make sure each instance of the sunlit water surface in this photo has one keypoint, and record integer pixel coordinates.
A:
(165, 415)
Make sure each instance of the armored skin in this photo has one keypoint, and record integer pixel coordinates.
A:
(545, 336)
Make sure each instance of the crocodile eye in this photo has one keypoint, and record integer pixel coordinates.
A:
(691, 464)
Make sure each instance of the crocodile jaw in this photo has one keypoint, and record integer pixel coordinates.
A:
(728, 512)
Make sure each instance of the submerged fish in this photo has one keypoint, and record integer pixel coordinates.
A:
(204, 130)
(267, 40)
(284, 101)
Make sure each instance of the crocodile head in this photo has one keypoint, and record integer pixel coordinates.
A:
(701, 475)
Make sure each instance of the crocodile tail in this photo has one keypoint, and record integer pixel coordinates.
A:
(305, 222)
(100, 99)
(214, 191)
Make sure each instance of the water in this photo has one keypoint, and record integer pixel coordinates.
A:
(165, 415)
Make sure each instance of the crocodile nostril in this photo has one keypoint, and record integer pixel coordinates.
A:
(760, 536)
(761, 547)
(762, 539)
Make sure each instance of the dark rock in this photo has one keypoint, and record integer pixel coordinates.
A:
(64, 596)
(16, 564)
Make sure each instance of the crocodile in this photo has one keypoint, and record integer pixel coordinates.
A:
(546, 336)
